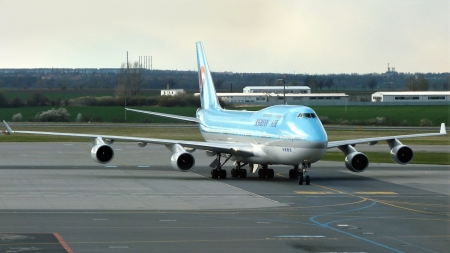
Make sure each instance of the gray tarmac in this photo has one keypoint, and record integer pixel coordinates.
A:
(138, 203)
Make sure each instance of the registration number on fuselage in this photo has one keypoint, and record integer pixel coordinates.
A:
(287, 150)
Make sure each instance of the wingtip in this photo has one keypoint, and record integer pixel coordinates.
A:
(443, 130)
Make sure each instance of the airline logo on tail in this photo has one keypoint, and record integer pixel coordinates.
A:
(202, 78)
(208, 97)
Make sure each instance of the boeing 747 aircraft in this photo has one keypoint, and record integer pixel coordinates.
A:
(282, 134)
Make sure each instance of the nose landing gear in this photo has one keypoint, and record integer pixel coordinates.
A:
(301, 174)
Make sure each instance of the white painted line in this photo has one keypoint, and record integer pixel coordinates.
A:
(167, 220)
(118, 149)
(300, 236)
(111, 166)
(342, 225)
(144, 166)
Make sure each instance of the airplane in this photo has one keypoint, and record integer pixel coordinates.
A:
(289, 135)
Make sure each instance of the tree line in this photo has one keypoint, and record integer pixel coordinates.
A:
(130, 79)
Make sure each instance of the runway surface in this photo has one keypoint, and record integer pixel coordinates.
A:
(54, 198)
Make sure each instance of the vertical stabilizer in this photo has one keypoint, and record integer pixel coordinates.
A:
(208, 95)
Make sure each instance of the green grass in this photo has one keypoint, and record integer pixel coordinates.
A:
(57, 93)
(397, 114)
(68, 93)
(107, 113)
(374, 157)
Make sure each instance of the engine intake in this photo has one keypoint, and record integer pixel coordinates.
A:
(356, 162)
(182, 161)
(402, 154)
(102, 153)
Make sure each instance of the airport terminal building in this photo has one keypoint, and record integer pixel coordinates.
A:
(267, 99)
(277, 89)
(411, 96)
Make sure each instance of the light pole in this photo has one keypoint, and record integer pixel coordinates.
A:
(284, 89)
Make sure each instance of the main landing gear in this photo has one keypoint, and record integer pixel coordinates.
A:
(265, 172)
(218, 172)
(238, 171)
(300, 174)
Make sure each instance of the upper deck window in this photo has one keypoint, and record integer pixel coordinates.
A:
(306, 115)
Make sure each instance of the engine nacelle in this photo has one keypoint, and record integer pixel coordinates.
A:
(102, 153)
(356, 162)
(183, 161)
(402, 154)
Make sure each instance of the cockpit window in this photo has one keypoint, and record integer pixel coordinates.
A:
(306, 115)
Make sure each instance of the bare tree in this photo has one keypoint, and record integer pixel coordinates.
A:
(321, 84)
(171, 83)
(417, 84)
(130, 81)
(372, 83)
(122, 82)
(218, 83)
(329, 83)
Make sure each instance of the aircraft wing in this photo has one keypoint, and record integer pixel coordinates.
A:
(240, 149)
(184, 118)
(373, 141)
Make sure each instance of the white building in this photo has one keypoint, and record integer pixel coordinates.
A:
(277, 89)
(411, 96)
(172, 92)
(291, 99)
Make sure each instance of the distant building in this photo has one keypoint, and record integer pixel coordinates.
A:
(265, 99)
(172, 92)
(277, 89)
(411, 96)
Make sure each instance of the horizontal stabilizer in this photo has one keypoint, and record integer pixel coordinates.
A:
(184, 118)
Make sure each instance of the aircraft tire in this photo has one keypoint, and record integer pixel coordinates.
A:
(307, 180)
(223, 174)
(214, 173)
(300, 179)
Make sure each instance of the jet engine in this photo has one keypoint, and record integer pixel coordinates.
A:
(182, 161)
(102, 153)
(356, 162)
(402, 154)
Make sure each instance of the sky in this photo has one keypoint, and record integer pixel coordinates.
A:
(244, 36)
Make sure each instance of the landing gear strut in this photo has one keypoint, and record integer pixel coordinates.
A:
(239, 171)
(218, 172)
(301, 174)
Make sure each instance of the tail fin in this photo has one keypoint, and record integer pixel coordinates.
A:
(208, 97)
